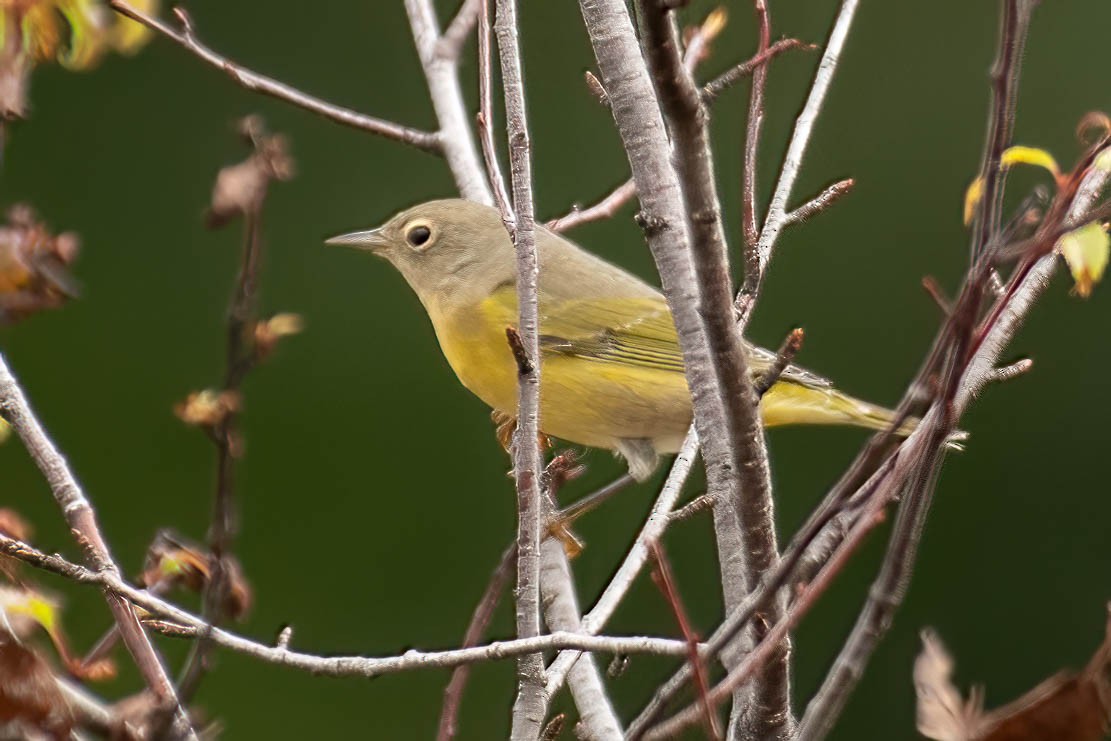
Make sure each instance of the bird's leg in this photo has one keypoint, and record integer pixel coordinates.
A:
(504, 427)
(560, 523)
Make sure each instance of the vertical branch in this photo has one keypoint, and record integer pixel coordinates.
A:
(441, 70)
(486, 115)
(82, 520)
(1014, 26)
(240, 190)
(749, 227)
(735, 454)
(531, 703)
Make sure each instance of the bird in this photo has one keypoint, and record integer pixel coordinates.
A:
(612, 373)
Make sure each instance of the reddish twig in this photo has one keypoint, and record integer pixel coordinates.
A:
(476, 629)
(603, 209)
(715, 87)
(783, 358)
(666, 583)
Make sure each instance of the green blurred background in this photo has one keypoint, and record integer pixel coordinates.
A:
(373, 497)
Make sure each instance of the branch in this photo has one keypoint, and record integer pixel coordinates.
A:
(749, 227)
(442, 75)
(190, 625)
(81, 519)
(796, 151)
(715, 87)
(531, 703)
(561, 612)
(603, 209)
(1014, 26)
(622, 581)
(258, 83)
(733, 447)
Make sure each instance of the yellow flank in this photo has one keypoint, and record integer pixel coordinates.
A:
(598, 402)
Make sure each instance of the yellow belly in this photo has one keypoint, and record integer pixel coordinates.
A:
(599, 402)
(587, 402)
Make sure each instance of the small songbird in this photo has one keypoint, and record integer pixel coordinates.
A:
(611, 370)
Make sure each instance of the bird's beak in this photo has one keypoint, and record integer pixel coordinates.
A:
(371, 240)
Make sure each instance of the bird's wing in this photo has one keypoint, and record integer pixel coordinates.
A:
(635, 331)
(628, 331)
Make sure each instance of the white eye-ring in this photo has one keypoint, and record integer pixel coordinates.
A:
(418, 235)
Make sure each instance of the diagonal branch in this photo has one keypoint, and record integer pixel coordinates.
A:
(255, 82)
(82, 520)
(442, 75)
(561, 613)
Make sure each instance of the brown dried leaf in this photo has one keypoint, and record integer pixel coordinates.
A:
(174, 562)
(34, 265)
(1065, 707)
(241, 188)
(942, 712)
(30, 699)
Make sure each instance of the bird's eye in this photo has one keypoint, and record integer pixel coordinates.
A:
(419, 235)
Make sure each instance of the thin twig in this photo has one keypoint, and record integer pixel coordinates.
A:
(783, 358)
(606, 208)
(666, 583)
(937, 294)
(796, 151)
(749, 227)
(820, 202)
(485, 118)
(763, 651)
(442, 75)
(1010, 372)
(1014, 26)
(531, 703)
(603, 209)
(715, 87)
(476, 629)
(450, 45)
(82, 520)
(884, 597)
(240, 357)
(255, 82)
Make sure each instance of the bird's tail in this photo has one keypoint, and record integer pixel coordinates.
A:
(788, 403)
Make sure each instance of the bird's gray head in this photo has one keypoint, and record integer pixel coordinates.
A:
(447, 249)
